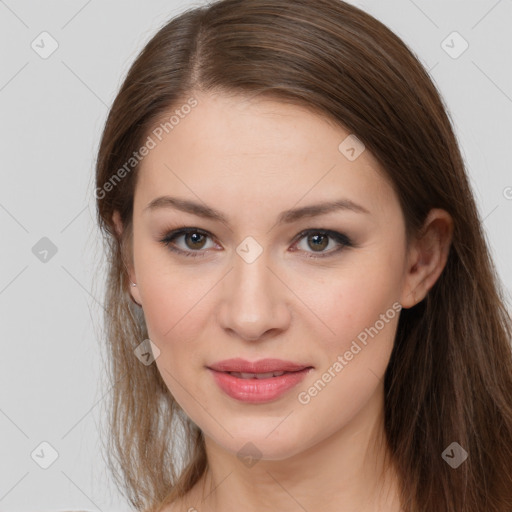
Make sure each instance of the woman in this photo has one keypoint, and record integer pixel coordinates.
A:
(302, 313)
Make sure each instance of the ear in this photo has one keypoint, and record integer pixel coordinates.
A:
(427, 257)
(134, 291)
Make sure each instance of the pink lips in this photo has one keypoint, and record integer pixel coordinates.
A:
(257, 390)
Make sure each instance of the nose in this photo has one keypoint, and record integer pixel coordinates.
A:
(255, 302)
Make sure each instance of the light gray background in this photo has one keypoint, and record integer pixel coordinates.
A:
(52, 114)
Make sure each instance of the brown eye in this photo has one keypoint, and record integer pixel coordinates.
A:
(194, 240)
(193, 243)
(318, 242)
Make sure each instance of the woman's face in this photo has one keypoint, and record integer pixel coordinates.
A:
(254, 286)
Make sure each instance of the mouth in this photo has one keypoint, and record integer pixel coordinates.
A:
(258, 387)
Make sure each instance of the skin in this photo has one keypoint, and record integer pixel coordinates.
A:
(251, 159)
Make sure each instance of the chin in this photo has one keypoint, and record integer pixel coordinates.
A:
(261, 439)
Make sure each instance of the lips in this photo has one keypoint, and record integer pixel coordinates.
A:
(259, 381)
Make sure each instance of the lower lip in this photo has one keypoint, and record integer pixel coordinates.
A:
(257, 390)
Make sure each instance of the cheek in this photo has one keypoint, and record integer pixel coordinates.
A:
(355, 358)
(175, 319)
(354, 302)
(170, 294)
(173, 309)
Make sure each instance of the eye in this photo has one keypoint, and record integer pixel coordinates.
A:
(319, 239)
(194, 240)
(193, 236)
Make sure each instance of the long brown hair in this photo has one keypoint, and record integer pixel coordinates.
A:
(450, 374)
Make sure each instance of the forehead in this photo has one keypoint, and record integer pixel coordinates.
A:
(235, 150)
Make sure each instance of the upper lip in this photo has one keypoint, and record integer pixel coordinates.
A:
(262, 366)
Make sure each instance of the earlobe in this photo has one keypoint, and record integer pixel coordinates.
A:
(428, 257)
(133, 291)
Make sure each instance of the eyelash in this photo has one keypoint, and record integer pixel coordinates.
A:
(172, 235)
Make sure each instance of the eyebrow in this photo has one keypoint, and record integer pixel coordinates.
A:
(286, 217)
